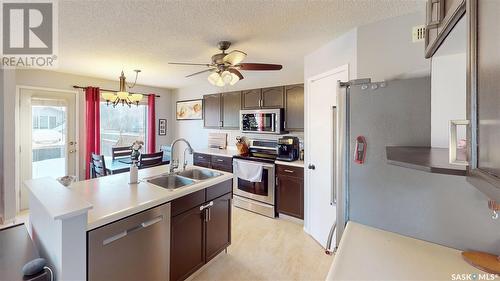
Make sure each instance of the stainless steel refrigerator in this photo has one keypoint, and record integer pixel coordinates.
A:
(370, 116)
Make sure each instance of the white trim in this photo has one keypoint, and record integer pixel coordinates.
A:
(16, 134)
(307, 160)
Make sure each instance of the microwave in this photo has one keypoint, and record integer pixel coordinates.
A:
(263, 121)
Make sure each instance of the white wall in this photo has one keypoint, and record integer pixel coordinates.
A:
(386, 51)
(448, 85)
(2, 85)
(448, 99)
(64, 81)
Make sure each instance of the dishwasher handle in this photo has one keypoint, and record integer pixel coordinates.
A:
(132, 229)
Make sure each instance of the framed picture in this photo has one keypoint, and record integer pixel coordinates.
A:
(189, 110)
(162, 127)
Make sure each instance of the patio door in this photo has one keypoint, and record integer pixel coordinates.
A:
(47, 137)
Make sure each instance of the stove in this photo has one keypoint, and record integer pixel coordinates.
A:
(258, 197)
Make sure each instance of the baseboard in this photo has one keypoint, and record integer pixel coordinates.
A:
(291, 219)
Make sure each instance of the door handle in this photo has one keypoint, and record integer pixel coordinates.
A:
(311, 167)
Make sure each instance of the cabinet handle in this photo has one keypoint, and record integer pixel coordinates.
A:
(288, 171)
(202, 207)
(452, 150)
(220, 160)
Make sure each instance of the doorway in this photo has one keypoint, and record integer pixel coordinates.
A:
(47, 136)
(321, 101)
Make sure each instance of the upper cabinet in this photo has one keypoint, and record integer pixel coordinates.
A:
(483, 97)
(272, 97)
(441, 17)
(211, 109)
(222, 110)
(251, 99)
(294, 104)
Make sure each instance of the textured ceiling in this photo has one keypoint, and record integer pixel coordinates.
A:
(99, 38)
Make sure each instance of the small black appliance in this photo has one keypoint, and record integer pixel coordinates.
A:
(288, 148)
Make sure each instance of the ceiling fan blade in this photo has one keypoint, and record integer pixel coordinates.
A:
(199, 72)
(259, 66)
(236, 72)
(188, 63)
(234, 57)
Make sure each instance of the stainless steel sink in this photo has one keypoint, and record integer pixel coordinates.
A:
(198, 174)
(170, 181)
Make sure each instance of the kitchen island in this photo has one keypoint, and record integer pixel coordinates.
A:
(63, 220)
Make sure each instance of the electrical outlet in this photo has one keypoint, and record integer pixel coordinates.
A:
(418, 33)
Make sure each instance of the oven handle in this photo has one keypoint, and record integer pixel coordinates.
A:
(266, 165)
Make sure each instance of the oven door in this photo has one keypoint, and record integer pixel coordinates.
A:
(262, 191)
(259, 121)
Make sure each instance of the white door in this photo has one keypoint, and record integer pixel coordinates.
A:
(47, 136)
(320, 100)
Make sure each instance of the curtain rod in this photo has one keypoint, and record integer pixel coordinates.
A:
(114, 91)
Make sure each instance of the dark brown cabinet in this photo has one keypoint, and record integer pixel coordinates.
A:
(251, 99)
(199, 231)
(187, 248)
(222, 110)
(290, 191)
(231, 105)
(216, 162)
(218, 230)
(294, 107)
(212, 111)
(272, 97)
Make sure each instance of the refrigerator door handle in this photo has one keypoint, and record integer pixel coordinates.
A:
(452, 150)
(333, 191)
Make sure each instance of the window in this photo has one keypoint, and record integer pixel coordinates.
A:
(44, 122)
(122, 125)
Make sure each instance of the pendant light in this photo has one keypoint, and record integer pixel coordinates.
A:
(123, 96)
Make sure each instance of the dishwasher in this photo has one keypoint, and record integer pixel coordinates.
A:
(134, 248)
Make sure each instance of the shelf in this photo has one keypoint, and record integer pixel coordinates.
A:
(428, 159)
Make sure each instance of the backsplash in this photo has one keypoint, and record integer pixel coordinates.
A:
(233, 134)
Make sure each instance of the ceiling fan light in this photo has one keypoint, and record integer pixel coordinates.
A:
(220, 82)
(122, 95)
(234, 57)
(108, 96)
(226, 77)
(213, 78)
(234, 79)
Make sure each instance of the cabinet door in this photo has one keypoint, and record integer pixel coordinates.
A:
(291, 196)
(202, 160)
(231, 105)
(187, 248)
(211, 110)
(272, 97)
(218, 226)
(294, 107)
(251, 99)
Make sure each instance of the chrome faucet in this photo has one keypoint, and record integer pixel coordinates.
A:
(174, 163)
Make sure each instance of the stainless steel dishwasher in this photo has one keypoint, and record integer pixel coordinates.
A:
(133, 248)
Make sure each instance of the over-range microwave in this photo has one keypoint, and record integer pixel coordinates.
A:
(263, 121)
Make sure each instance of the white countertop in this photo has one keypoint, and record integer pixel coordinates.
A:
(112, 197)
(219, 152)
(367, 253)
(296, 163)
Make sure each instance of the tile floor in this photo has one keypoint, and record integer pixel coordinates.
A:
(267, 249)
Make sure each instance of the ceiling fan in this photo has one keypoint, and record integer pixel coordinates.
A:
(226, 67)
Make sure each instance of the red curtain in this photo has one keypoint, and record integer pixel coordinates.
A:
(151, 145)
(93, 128)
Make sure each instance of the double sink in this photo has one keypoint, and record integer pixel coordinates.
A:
(181, 179)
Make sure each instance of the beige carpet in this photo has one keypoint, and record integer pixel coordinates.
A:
(268, 249)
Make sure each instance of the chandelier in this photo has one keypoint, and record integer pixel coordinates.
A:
(123, 96)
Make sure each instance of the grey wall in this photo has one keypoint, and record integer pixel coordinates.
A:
(386, 49)
(438, 208)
